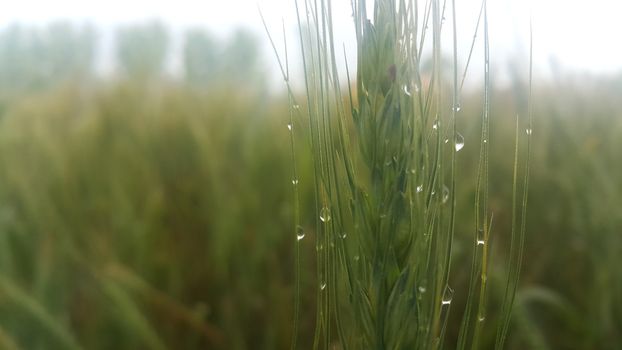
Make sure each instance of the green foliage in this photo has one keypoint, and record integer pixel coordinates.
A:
(125, 219)
(574, 238)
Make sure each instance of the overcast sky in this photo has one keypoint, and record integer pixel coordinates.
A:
(574, 34)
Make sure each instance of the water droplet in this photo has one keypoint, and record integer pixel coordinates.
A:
(295, 182)
(459, 142)
(325, 214)
(344, 235)
(445, 194)
(435, 125)
(296, 106)
(300, 233)
(457, 107)
(419, 188)
(528, 131)
(323, 286)
(448, 295)
(485, 141)
(289, 127)
(407, 91)
(481, 239)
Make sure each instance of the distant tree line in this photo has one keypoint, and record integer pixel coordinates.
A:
(34, 58)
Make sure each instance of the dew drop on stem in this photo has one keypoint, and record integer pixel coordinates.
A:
(407, 91)
(300, 233)
(480, 237)
(448, 295)
(325, 214)
(459, 142)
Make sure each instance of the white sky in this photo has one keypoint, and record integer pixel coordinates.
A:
(577, 34)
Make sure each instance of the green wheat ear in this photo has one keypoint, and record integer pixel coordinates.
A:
(385, 180)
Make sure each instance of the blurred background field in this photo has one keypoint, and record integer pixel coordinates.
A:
(147, 208)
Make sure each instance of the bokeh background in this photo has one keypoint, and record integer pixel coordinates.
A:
(146, 179)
